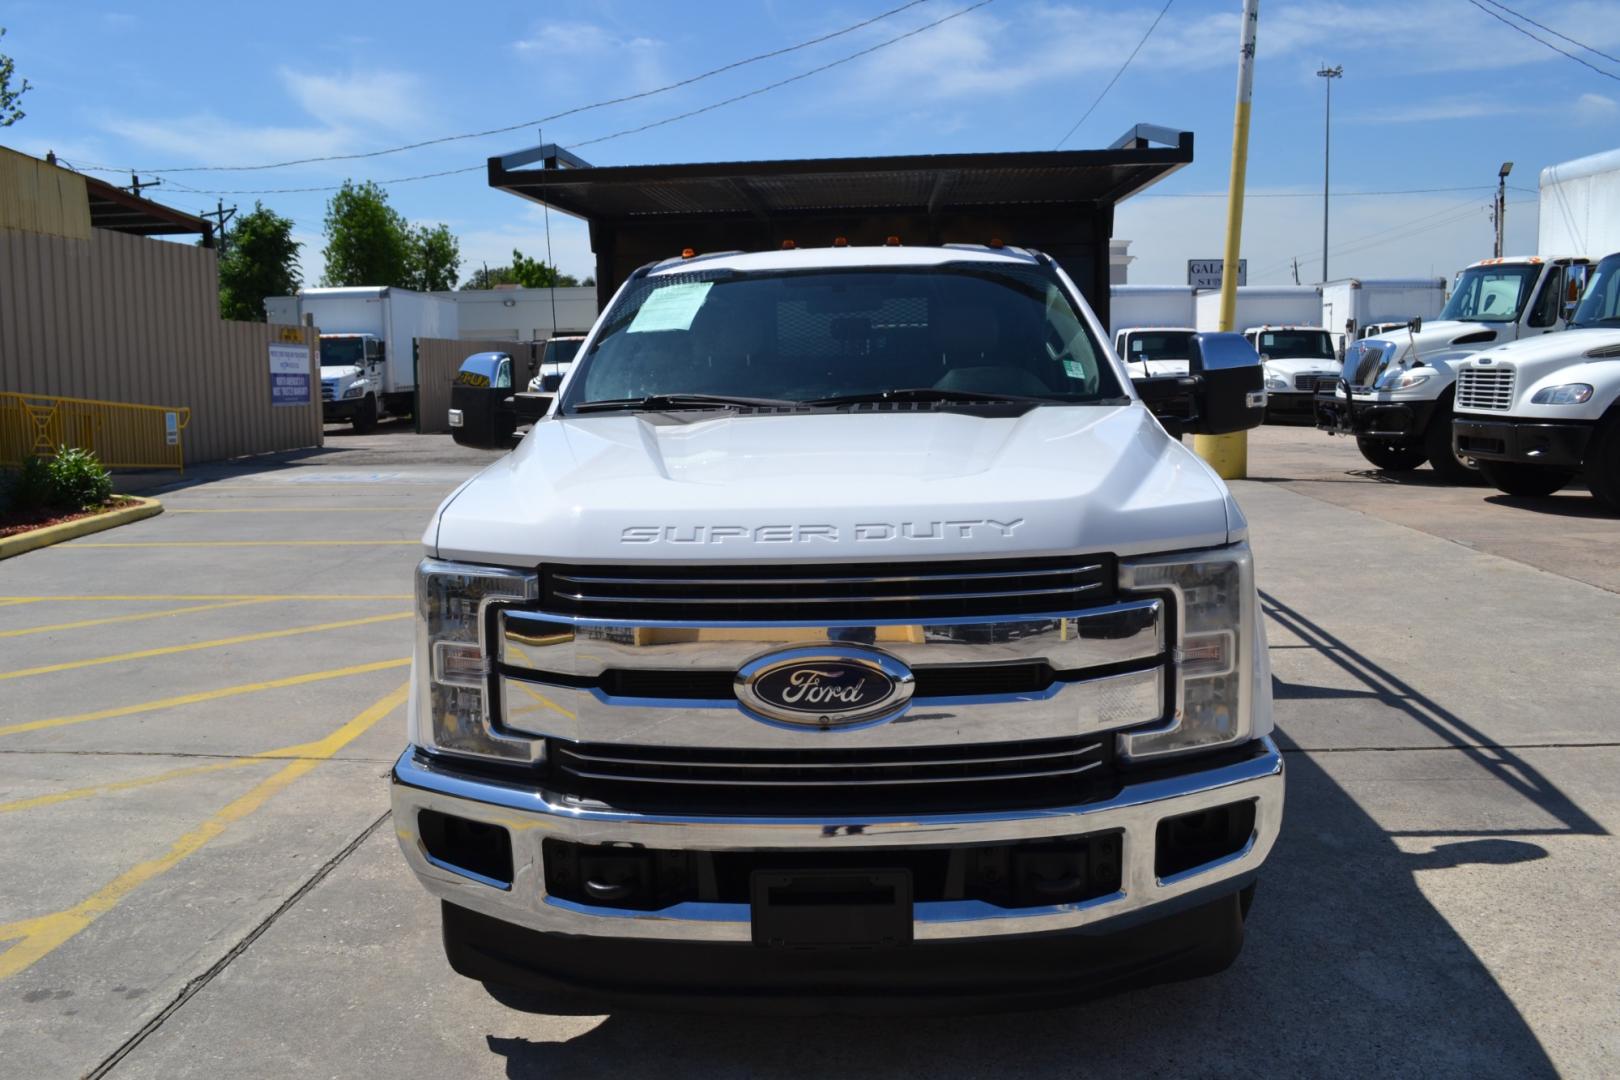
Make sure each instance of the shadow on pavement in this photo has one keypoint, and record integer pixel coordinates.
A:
(1348, 969)
(1572, 502)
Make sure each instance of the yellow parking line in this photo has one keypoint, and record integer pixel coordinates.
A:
(118, 598)
(124, 618)
(235, 544)
(544, 701)
(37, 937)
(201, 696)
(217, 643)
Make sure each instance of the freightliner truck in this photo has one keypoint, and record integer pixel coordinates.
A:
(1394, 395)
(1535, 414)
(849, 633)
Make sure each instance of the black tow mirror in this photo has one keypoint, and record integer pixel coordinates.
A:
(1222, 392)
(530, 408)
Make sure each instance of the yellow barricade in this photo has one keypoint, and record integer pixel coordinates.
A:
(122, 436)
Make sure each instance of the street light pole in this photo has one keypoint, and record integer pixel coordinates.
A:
(1501, 203)
(1327, 74)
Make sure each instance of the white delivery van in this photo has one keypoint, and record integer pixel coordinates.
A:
(1353, 305)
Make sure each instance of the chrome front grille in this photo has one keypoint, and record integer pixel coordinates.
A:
(1308, 381)
(328, 391)
(966, 589)
(1485, 388)
(1005, 773)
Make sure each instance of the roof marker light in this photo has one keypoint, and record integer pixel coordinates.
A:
(789, 245)
(840, 241)
(687, 253)
(995, 242)
(891, 241)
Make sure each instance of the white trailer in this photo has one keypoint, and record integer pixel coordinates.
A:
(1261, 305)
(1133, 306)
(1580, 206)
(1351, 305)
(368, 336)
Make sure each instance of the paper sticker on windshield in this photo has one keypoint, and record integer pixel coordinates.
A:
(1074, 369)
(672, 307)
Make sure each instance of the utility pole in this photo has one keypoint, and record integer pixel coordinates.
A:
(1228, 455)
(221, 214)
(136, 184)
(1296, 270)
(1327, 74)
(1500, 212)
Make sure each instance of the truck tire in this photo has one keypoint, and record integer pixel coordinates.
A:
(1392, 456)
(1437, 446)
(1517, 478)
(1603, 464)
(365, 417)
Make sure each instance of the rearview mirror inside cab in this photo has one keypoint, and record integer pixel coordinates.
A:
(1222, 392)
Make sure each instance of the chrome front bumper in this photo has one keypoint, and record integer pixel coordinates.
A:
(530, 817)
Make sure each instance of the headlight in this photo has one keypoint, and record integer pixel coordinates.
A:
(1277, 382)
(1219, 656)
(355, 390)
(452, 709)
(1575, 393)
(1403, 379)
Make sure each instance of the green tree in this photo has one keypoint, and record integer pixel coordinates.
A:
(487, 277)
(367, 241)
(435, 258)
(260, 260)
(9, 113)
(538, 274)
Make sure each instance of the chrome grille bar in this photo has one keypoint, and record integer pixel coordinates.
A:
(666, 763)
(841, 782)
(582, 579)
(591, 598)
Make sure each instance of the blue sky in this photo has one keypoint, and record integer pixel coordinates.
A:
(1435, 94)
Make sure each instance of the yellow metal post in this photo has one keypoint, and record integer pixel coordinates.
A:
(1229, 454)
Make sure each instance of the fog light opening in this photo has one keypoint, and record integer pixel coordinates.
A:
(1190, 841)
(473, 849)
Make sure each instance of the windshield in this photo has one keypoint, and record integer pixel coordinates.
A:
(1600, 305)
(342, 351)
(1159, 345)
(1295, 345)
(561, 350)
(959, 329)
(1491, 293)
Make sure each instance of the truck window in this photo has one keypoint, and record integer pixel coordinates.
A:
(804, 335)
(1550, 301)
(561, 351)
(1600, 305)
(1296, 345)
(1491, 293)
(342, 351)
(1161, 345)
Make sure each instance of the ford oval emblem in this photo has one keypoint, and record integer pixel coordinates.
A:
(825, 686)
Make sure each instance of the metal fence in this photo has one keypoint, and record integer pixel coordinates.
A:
(121, 436)
(128, 319)
(438, 360)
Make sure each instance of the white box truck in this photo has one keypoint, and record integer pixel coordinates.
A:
(1261, 305)
(1132, 306)
(368, 336)
(1353, 306)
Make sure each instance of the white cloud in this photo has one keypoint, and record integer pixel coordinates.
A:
(1595, 109)
(205, 137)
(1453, 108)
(570, 52)
(391, 100)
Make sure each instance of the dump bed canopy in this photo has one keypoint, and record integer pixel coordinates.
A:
(1061, 202)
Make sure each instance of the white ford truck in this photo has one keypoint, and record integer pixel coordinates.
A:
(1536, 413)
(849, 634)
(1395, 393)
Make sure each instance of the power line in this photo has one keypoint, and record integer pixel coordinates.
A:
(1578, 44)
(627, 131)
(554, 116)
(1313, 194)
(1084, 116)
(1515, 26)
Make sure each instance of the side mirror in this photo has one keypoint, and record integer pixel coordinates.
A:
(1415, 325)
(1231, 392)
(530, 408)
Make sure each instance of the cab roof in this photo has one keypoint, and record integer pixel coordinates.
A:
(845, 257)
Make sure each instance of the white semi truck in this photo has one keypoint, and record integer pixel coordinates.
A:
(1534, 414)
(1394, 394)
(368, 337)
(848, 629)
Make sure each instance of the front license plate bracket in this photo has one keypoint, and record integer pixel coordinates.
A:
(831, 908)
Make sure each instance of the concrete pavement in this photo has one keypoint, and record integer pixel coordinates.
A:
(1440, 902)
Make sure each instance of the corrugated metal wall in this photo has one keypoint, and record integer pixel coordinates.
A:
(124, 318)
(438, 360)
(41, 198)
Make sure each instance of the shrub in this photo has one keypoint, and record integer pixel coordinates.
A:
(72, 480)
(78, 480)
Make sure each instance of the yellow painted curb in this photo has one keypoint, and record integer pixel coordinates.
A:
(69, 530)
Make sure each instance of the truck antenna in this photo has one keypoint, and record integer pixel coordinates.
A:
(546, 210)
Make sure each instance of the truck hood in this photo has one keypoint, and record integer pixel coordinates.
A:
(339, 371)
(1288, 367)
(1544, 353)
(1445, 340)
(837, 486)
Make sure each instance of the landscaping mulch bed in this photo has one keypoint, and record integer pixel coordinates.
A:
(13, 522)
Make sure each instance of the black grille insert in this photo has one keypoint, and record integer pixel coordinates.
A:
(1029, 772)
(843, 591)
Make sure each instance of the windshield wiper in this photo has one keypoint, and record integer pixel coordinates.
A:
(679, 401)
(923, 393)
